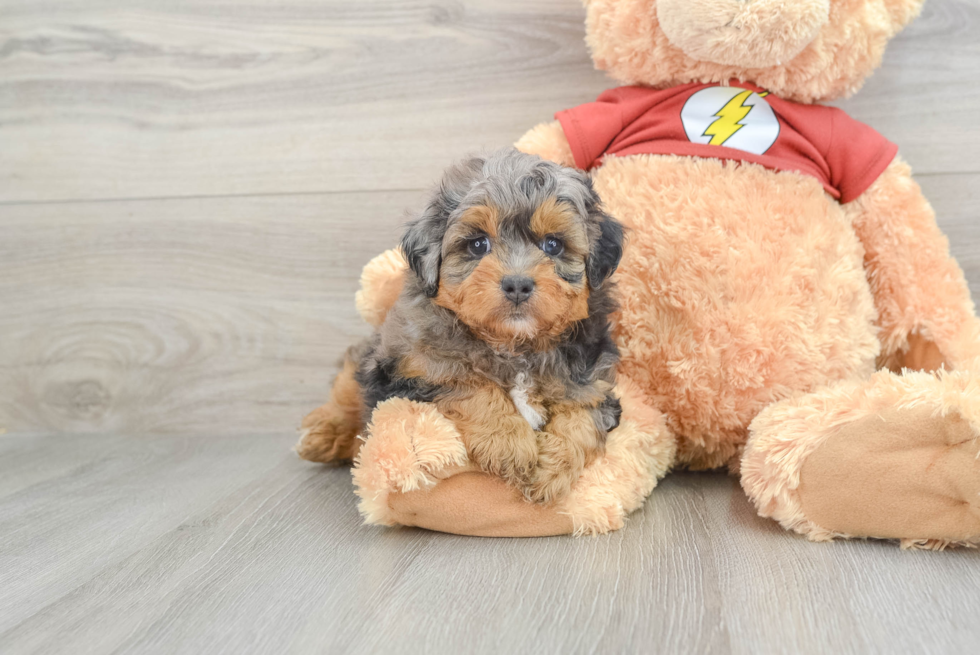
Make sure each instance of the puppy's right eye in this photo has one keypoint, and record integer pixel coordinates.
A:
(552, 246)
(479, 246)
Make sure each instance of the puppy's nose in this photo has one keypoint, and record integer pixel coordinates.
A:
(517, 288)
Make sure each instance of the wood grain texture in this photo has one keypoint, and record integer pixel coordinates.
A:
(216, 97)
(188, 191)
(202, 544)
(204, 98)
(223, 315)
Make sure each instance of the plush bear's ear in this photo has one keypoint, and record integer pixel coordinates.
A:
(422, 242)
(606, 248)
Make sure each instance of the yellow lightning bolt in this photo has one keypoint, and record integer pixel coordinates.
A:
(728, 119)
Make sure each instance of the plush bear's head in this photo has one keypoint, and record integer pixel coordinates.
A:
(802, 50)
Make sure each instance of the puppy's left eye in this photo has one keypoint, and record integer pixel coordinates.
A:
(479, 246)
(552, 246)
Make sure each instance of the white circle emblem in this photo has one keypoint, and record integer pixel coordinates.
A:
(731, 117)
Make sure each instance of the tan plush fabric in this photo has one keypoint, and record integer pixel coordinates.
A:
(897, 473)
(477, 504)
(920, 291)
(756, 34)
(412, 446)
(910, 437)
(381, 282)
(548, 141)
(739, 285)
(628, 42)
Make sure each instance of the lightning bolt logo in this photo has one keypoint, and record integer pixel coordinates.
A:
(704, 123)
(729, 118)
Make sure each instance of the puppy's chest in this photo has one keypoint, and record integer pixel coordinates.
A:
(527, 401)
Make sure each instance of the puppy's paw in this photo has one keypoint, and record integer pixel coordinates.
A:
(328, 434)
(549, 484)
(519, 469)
(516, 466)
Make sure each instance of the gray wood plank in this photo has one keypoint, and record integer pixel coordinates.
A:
(223, 315)
(116, 99)
(135, 99)
(203, 544)
(59, 532)
(842, 596)
(23, 464)
(929, 81)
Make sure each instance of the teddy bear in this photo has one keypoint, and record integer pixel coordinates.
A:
(789, 308)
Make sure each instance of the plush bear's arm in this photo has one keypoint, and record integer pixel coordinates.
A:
(477, 504)
(925, 311)
(548, 141)
(413, 470)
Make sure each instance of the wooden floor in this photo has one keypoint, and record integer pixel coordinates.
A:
(187, 193)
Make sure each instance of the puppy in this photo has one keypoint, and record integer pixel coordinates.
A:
(503, 325)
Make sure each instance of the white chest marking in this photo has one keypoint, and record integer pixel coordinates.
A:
(518, 394)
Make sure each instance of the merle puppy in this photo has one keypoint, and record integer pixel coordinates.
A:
(504, 325)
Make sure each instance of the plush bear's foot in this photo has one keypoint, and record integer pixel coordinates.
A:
(899, 473)
(895, 457)
(329, 433)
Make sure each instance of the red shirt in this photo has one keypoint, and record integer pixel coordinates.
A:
(739, 122)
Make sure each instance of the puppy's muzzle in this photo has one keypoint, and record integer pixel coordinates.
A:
(517, 288)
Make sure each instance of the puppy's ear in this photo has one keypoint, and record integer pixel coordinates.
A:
(422, 245)
(422, 242)
(606, 248)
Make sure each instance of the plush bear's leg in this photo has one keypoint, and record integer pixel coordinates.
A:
(896, 457)
(413, 470)
(329, 433)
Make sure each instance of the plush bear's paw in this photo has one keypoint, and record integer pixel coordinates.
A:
(381, 282)
(411, 446)
(637, 454)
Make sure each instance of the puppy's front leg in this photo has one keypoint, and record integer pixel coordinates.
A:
(329, 433)
(566, 445)
(497, 437)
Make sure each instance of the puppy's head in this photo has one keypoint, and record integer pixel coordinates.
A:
(514, 245)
